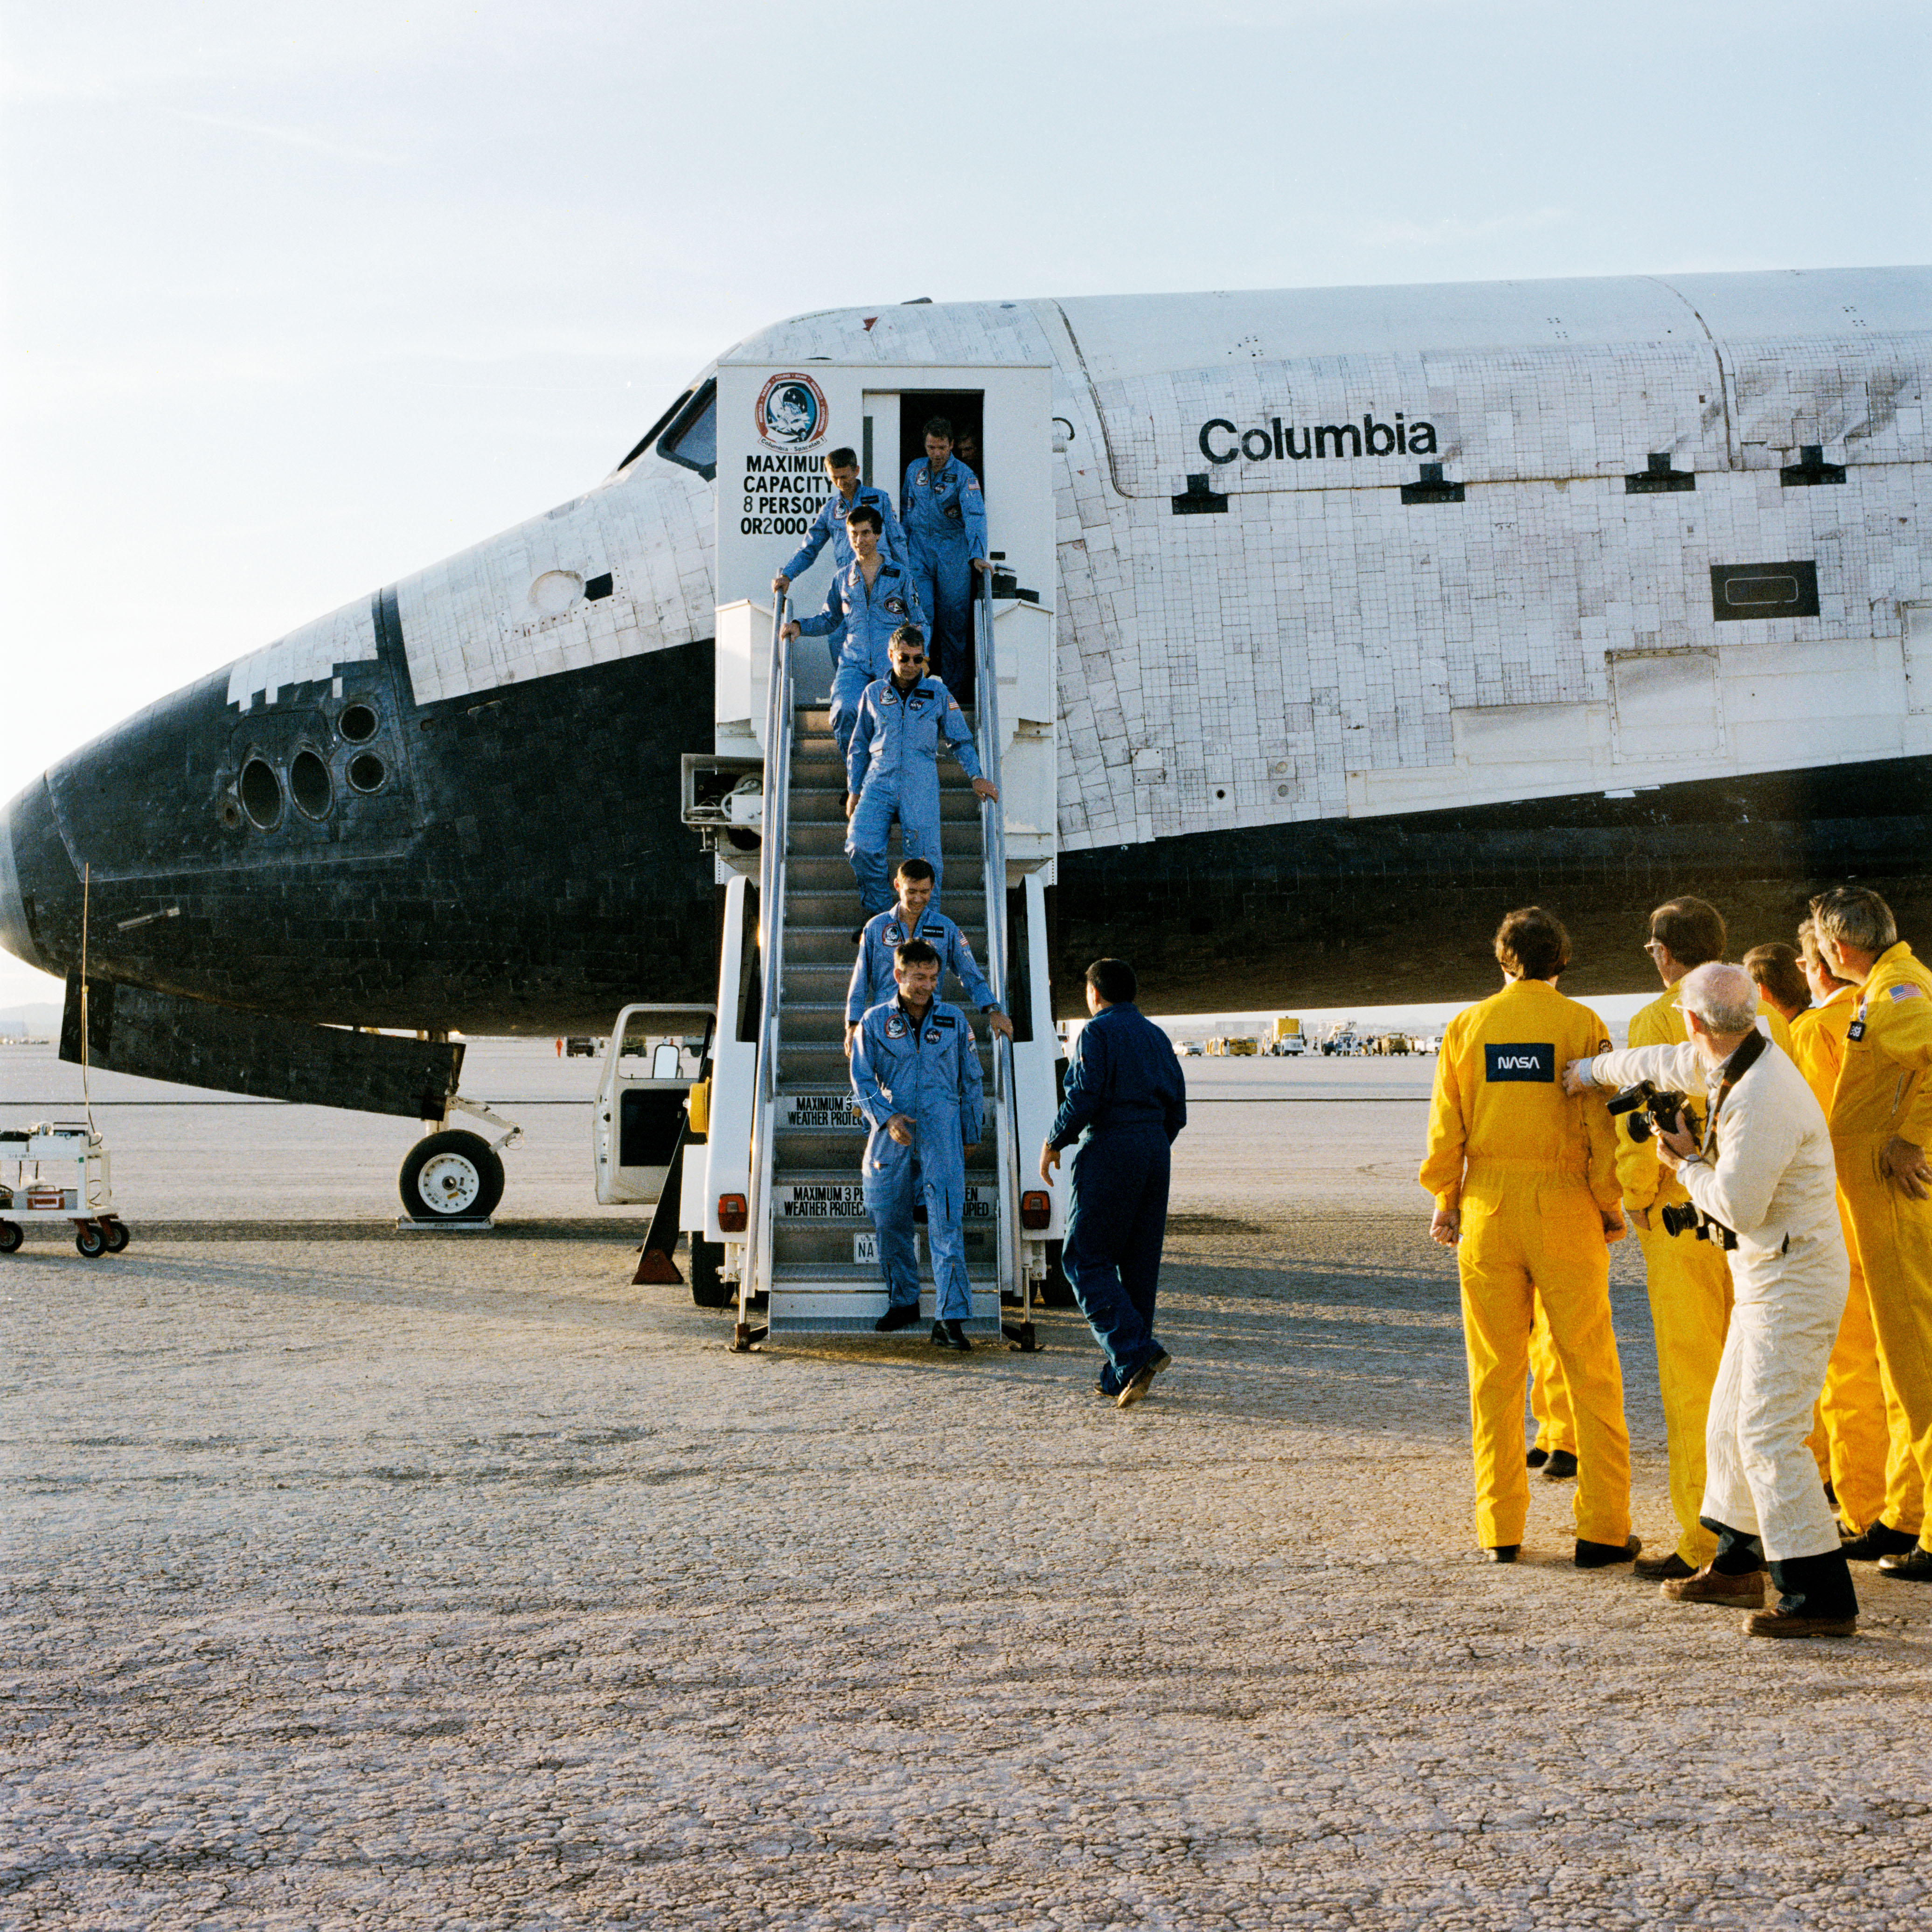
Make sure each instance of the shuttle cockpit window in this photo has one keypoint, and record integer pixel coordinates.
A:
(692, 439)
(686, 434)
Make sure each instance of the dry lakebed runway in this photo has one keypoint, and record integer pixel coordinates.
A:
(361, 1578)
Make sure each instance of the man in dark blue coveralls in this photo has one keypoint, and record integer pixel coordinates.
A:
(1125, 1103)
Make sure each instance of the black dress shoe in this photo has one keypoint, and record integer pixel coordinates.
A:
(1911, 1566)
(1560, 1468)
(1879, 1539)
(1536, 1458)
(896, 1317)
(951, 1335)
(1670, 1569)
(1502, 1552)
(1601, 1556)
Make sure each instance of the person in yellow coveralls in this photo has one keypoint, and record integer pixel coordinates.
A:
(1555, 1451)
(1689, 1286)
(1881, 1122)
(1874, 1479)
(1524, 1179)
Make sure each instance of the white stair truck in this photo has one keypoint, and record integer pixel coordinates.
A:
(782, 1192)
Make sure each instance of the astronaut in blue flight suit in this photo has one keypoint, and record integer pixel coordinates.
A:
(867, 601)
(892, 768)
(946, 528)
(1125, 1101)
(828, 526)
(916, 1072)
(912, 918)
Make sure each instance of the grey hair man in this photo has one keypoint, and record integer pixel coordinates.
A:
(1763, 1184)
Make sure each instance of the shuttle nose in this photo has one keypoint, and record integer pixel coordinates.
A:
(13, 933)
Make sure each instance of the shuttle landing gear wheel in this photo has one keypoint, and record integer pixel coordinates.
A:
(117, 1236)
(11, 1235)
(451, 1177)
(708, 1288)
(90, 1240)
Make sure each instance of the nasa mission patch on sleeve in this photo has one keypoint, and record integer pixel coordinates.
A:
(1519, 1060)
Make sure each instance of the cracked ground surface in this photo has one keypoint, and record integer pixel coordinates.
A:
(353, 1579)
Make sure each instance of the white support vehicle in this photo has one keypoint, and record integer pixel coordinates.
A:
(648, 1132)
(71, 1180)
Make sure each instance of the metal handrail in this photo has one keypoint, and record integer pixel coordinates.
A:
(994, 816)
(755, 1277)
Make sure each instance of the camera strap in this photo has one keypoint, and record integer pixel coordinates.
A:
(1741, 1063)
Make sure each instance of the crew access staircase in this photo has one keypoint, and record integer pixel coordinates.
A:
(810, 1252)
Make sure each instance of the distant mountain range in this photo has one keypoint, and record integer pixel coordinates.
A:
(41, 1017)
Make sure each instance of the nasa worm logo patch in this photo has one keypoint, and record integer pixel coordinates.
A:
(790, 412)
(1531, 1060)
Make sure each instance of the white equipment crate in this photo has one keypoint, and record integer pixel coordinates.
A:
(58, 1172)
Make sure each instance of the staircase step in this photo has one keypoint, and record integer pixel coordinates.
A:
(836, 909)
(832, 947)
(813, 804)
(826, 1148)
(825, 837)
(808, 983)
(965, 872)
(861, 1274)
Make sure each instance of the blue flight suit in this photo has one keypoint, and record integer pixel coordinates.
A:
(893, 765)
(1125, 1101)
(946, 529)
(866, 616)
(929, 1069)
(872, 978)
(828, 526)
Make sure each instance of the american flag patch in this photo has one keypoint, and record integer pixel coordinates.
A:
(1906, 990)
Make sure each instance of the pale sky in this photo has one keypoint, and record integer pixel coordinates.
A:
(300, 298)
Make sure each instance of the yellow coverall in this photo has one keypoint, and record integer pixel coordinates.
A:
(1871, 1471)
(1549, 1395)
(1531, 1170)
(1690, 1288)
(1883, 1091)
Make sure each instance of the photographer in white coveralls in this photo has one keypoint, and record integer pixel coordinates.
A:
(1763, 1186)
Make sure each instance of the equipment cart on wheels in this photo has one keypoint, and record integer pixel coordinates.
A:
(58, 1172)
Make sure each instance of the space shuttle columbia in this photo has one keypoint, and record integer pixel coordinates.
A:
(1328, 624)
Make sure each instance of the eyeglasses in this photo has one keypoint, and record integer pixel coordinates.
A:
(1655, 946)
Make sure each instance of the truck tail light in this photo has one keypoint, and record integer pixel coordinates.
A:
(1036, 1209)
(732, 1214)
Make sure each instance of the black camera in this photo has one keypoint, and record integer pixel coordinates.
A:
(1686, 1217)
(1652, 1109)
